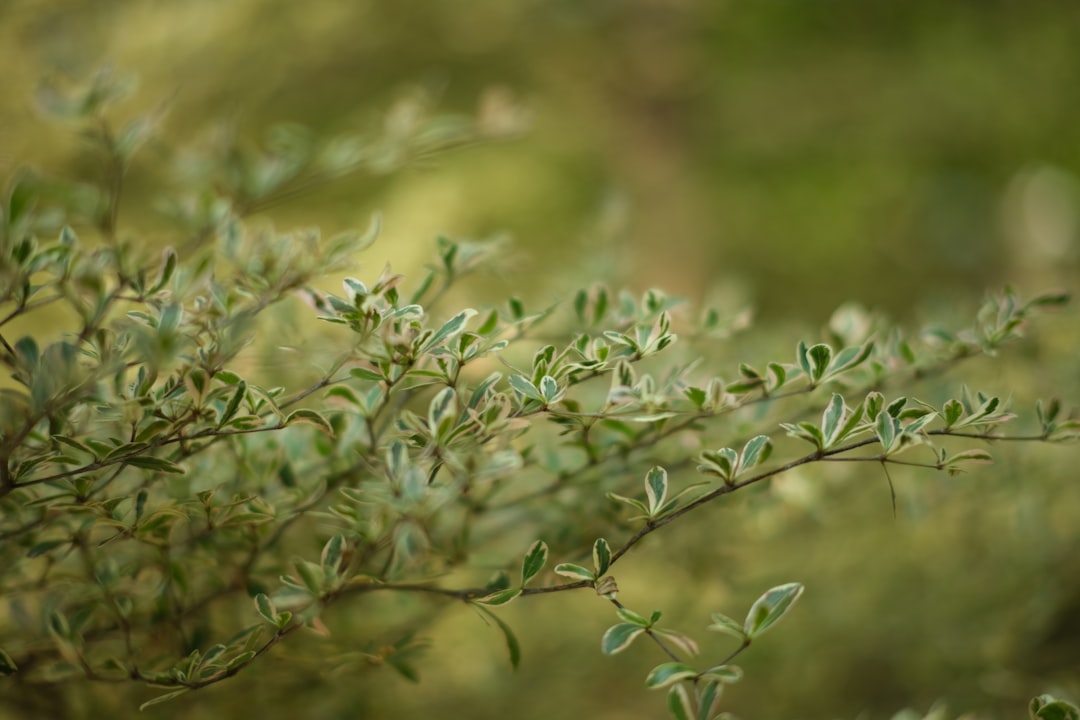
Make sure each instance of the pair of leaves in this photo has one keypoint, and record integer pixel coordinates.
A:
(657, 504)
(601, 562)
(727, 464)
(766, 611)
(534, 562)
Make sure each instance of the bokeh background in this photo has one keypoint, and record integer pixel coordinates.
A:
(784, 155)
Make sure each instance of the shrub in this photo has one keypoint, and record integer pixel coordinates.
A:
(168, 519)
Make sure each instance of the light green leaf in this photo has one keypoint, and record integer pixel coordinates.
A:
(549, 389)
(450, 328)
(668, 673)
(628, 615)
(164, 698)
(442, 412)
(363, 373)
(728, 626)
(755, 452)
(525, 387)
(768, 609)
(724, 673)
(148, 462)
(887, 428)
(831, 419)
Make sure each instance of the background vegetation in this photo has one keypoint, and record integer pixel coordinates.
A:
(785, 156)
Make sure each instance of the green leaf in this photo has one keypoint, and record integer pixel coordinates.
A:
(164, 698)
(363, 373)
(601, 556)
(311, 575)
(618, 637)
(148, 462)
(442, 412)
(265, 607)
(450, 328)
(755, 452)
(887, 429)
(802, 357)
(39, 549)
(535, 559)
(512, 644)
(502, 597)
(709, 699)
(525, 387)
(234, 403)
(656, 482)
(667, 673)
(332, 554)
(305, 415)
(1047, 707)
(768, 609)
(629, 616)
(549, 389)
(724, 673)
(679, 704)
(576, 572)
(820, 356)
(7, 665)
(728, 626)
(831, 419)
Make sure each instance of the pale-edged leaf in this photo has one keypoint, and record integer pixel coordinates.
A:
(728, 626)
(601, 556)
(667, 673)
(534, 562)
(618, 637)
(575, 572)
(768, 609)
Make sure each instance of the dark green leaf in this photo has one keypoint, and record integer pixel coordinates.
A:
(601, 556)
(656, 483)
(7, 665)
(164, 698)
(534, 562)
(148, 462)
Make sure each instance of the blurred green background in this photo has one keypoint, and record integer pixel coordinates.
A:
(787, 155)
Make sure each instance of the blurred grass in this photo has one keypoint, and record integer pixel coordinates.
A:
(790, 155)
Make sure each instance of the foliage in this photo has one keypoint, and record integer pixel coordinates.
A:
(168, 519)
